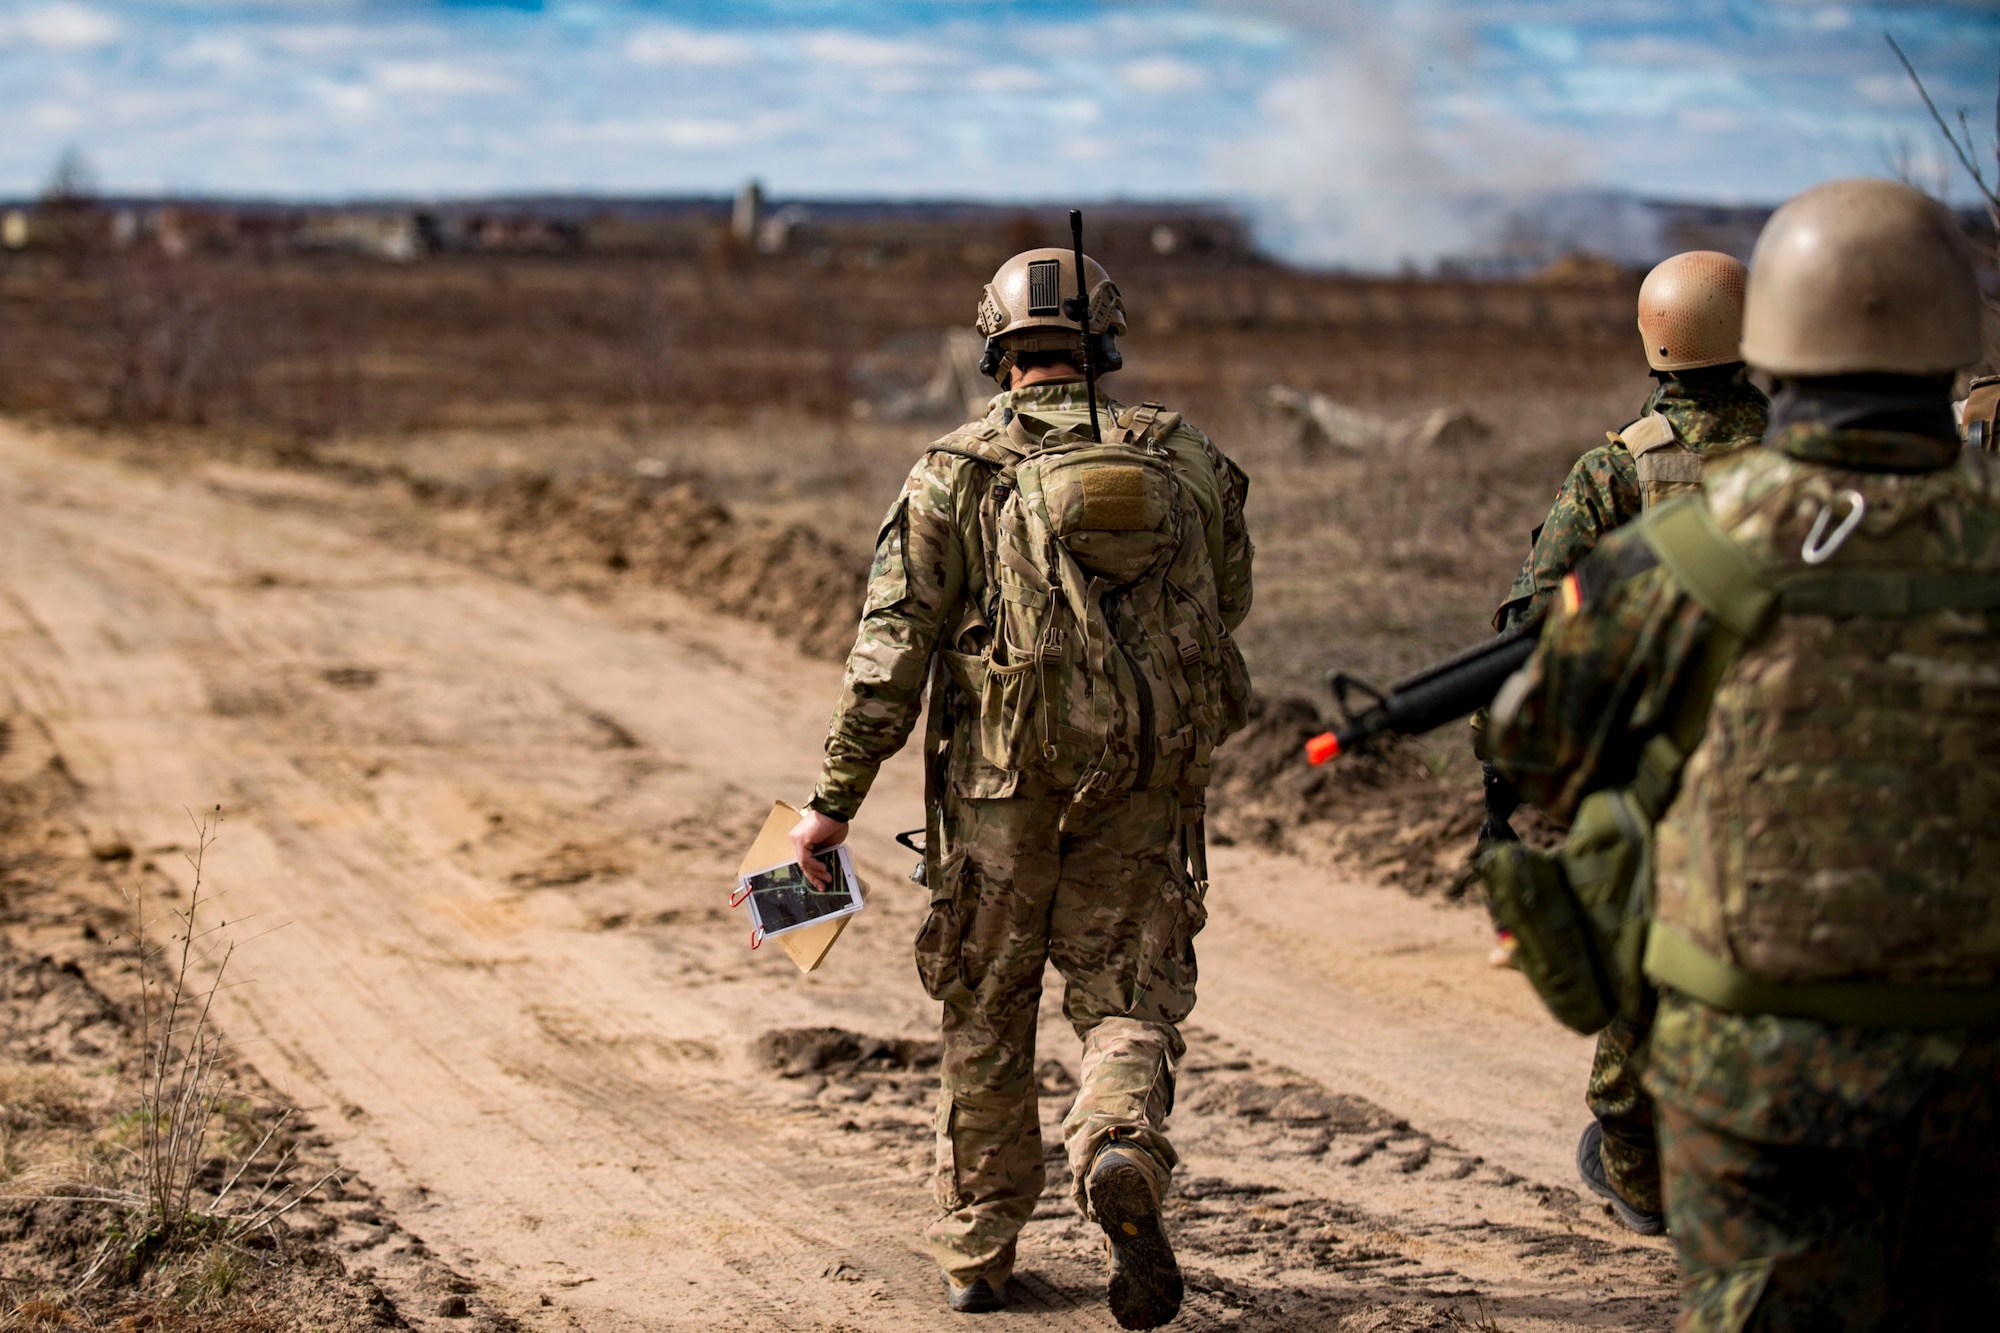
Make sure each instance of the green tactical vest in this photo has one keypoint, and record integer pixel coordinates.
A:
(1815, 831)
(1100, 662)
(1834, 849)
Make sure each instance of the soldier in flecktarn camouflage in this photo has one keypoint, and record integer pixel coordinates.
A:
(1813, 642)
(1070, 605)
(1704, 414)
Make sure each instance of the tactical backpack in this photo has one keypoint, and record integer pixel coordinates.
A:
(1102, 664)
(1586, 919)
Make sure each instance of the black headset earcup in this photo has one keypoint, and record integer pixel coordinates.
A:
(1106, 354)
(989, 360)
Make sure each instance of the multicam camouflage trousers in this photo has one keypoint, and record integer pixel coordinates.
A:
(1791, 1213)
(1624, 1110)
(1110, 904)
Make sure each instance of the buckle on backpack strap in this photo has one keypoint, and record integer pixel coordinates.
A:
(1188, 644)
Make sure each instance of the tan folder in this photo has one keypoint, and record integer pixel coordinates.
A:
(810, 945)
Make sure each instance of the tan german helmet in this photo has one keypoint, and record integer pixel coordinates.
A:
(1023, 309)
(1691, 311)
(1861, 275)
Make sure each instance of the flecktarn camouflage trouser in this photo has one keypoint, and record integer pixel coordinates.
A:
(1624, 1110)
(1109, 903)
(1789, 1218)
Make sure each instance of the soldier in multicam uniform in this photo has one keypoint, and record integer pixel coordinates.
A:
(1031, 860)
(1704, 412)
(1798, 669)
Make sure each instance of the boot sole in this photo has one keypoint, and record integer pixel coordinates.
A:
(1589, 1153)
(1146, 1287)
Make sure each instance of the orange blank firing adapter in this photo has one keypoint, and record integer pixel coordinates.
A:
(1322, 747)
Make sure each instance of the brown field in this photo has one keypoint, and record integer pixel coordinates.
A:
(744, 377)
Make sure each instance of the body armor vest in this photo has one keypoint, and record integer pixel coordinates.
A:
(1667, 466)
(1838, 826)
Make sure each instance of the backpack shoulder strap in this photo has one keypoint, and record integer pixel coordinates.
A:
(1714, 569)
(987, 444)
(1647, 434)
(1148, 424)
(1737, 592)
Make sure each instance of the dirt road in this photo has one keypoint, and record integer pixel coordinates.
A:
(477, 848)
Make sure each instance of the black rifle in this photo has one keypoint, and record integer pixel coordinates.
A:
(1455, 687)
(1078, 309)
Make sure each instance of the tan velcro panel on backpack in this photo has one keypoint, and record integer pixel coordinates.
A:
(1115, 500)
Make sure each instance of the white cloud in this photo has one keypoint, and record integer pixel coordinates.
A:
(223, 51)
(1164, 74)
(1008, 79)
(59, 27)
(693, 133)
(1888, 90)
(437, 77)
(854, 50)
(348, 100)
(671, 44)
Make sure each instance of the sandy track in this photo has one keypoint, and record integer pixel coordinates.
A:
(477, 847)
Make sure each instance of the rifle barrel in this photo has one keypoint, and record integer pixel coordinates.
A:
(1444, 692)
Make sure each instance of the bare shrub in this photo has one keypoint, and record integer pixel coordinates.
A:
(197, 1177)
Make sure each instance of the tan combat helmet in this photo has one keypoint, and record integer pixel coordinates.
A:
(1691, 311)
(1861, 275)
(1021, 310)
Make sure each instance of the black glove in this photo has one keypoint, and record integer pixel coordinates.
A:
(1502, 800)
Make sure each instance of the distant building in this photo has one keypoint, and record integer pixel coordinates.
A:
(395, 236)
(748, 215)
(14, 229)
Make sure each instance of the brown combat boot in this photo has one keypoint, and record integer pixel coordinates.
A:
(977, 1297)
(1145, 1286)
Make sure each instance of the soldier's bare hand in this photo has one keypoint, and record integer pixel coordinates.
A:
(815, 833)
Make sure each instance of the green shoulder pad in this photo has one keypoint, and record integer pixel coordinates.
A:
(1714, 569)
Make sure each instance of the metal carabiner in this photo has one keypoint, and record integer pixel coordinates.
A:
(1816, 552)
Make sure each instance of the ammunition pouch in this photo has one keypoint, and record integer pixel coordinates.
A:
(1578, 916)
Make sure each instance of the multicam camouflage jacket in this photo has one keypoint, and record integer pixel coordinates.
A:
(1603, 492)
(1613, 664)
(931, 563)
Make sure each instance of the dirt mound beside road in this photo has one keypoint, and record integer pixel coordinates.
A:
(1389, 810)
(667, 531)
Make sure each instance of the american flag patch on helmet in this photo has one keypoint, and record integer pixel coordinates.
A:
(1045, 287)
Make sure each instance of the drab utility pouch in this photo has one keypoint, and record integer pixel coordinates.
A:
(941, 940)
(1530, 898)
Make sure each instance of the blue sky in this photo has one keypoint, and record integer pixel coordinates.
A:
(1358, 133)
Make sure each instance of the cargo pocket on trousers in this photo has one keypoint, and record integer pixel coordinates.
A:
(948, 1195)
(941, 941)
(1165, 964)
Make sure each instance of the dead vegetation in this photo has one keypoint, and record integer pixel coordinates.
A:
(147, 1179)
